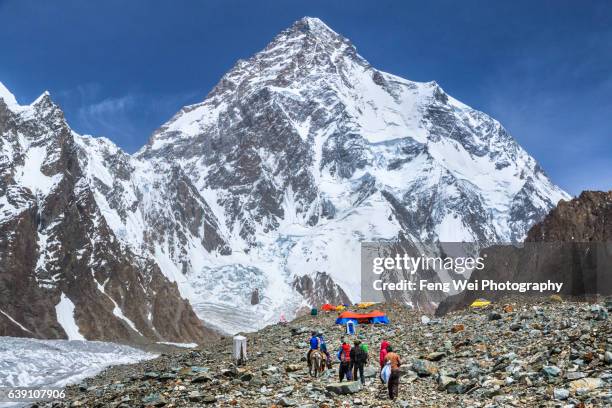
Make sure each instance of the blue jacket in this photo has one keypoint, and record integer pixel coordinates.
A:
(314, 343)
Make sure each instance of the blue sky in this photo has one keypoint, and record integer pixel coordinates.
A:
(122, 68)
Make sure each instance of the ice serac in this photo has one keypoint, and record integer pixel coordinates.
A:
(63, 271)
(305, 149)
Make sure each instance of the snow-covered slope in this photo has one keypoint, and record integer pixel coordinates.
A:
(255, 201)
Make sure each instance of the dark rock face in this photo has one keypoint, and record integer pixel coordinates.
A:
(255, 297)
(571, 245)
(55, 242)
(587, 218)
(320, 290)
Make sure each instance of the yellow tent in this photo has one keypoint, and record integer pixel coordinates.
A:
(340, 308)
(364, 305)
(480, 303)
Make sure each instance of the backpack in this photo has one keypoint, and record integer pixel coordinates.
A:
(364, 347)
(343, 356)
(360, 355)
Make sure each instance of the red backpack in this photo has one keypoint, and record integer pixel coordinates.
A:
(345, 354)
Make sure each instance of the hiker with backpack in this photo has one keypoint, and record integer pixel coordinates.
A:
(323, 348)
(359, 359)
(393, 359)
(344, 355)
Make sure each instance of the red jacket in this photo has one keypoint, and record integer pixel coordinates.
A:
(346, 350)
(383, 352)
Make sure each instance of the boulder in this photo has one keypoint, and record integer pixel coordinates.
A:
(424, 367)
(344, 388)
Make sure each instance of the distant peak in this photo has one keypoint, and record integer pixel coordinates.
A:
(313, 23)
(314, 26)
(8, 97)
(43, 98)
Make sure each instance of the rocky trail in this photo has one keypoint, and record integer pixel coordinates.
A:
(521, 352)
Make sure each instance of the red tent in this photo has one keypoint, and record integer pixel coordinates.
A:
(327, 307)
(376, 316)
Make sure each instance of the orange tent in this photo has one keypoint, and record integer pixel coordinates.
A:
(376, 316)
(327, 307)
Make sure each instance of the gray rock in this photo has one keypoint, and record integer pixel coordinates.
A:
(154, 399)
(370, 372)
(286, 402)
(344, 388)
(574, 375)
(494, 316)
(167, 376)
(598, 312)
(435, 356)
(551, 371)
(561, 394)
(151, 375)
(201, 377)
(444, 381)
(424, 367)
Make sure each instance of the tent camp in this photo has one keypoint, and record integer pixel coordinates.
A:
(375, 316)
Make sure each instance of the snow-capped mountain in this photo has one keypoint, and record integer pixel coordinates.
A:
(63, 271)
(255, 201)
(305, 149)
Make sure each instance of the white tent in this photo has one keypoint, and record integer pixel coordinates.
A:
(240, 349)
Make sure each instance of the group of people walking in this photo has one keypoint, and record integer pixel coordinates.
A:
(353, 360)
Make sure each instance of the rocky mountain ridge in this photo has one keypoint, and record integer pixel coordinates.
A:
(571, 245)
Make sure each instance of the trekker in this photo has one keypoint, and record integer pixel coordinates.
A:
(323, 348)
(344, 355)
(393, 384)
(314, 344)
(383, 354)
(359, 359)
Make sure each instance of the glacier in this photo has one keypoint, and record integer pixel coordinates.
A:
(56, 363)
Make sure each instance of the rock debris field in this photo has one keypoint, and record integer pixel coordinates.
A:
(547, 352)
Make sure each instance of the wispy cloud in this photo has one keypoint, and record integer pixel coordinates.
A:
(127, 119)
(111, 113)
